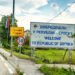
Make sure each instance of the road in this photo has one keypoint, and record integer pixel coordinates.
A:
(26, 66)
(3, 69)
(29, 67)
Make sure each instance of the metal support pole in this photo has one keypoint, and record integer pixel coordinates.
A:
(18, 61)
(32, 52)
(0, 41)
(12, 25)
(74, 37)
(70, 57)
(20, 51)
(65, 54)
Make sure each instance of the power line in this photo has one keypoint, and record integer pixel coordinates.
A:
(61, 12)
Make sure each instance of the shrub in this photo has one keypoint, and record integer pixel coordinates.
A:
(56, 71)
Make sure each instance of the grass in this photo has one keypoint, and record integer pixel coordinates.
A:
(47, 56)
(22, 56)
(56, 71)
(54, 56)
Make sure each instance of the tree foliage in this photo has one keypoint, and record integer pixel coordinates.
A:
(5, 32)
(73, 35)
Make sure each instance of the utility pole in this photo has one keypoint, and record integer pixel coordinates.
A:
(13, 13)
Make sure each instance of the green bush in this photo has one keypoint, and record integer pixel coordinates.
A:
(6, 45)
(27, 42)
(16, 49)
(26, 47)
(56, 71)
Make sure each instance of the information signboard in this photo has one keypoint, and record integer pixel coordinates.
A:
(17, 31)
(53, 35)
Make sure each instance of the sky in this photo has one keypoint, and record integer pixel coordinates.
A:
(27, 11)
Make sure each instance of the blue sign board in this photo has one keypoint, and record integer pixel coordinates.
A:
(53, 35)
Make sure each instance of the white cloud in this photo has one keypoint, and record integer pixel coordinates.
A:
(21, 8)
(5, 10)
(26, 5)
(38, 3)
(33, 10)
(24, 21)
(64, 20)
(64, 14)
(35, 3)
(31, 3)
(8, 10)
(18, 10)
(72, 8)
(30, 11)
(65, 17)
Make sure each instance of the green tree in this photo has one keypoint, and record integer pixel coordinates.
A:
(5, 32)
(73, 35)
(27, 40)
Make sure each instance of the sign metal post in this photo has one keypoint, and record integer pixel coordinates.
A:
(32, 52)
(12, 25)
(70, 57)
(20, 42)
